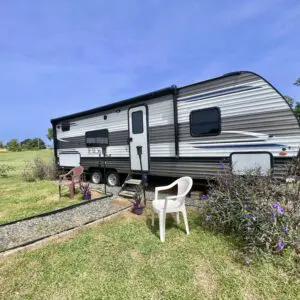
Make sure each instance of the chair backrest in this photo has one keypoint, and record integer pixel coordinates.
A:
(184, 186)
(77, 172)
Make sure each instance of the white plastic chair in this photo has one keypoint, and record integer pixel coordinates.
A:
(172, 204)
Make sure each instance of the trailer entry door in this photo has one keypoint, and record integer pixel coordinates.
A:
(138, 138)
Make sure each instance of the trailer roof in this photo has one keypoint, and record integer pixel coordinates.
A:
(158, 93)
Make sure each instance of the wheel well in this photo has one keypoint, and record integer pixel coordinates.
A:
(111, 170)
(93, 169)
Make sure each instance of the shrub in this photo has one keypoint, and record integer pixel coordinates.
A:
(28, 172)
(39, 169)
(262, 211)
(5, 169)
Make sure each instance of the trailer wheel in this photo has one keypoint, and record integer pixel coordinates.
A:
(96, 176)
(113, 178)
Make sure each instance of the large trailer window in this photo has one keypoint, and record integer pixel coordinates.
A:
(97, 138)
(137, 122)
(205, 122)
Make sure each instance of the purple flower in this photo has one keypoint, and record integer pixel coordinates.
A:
(280, 210)
(203, 197)
(207, 218)
(221, 166)
(277, 206)
(248, 261)
(273, 215)
(250, 217)
(280, 245)
(245, 206)
(285, 229)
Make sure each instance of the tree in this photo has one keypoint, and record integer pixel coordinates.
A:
(49, 135)
(289, 100)
(297, 110)
(38, 143)
(297, 105)
(27, 144)
(33, 144)
(1, 144)
(14, 145)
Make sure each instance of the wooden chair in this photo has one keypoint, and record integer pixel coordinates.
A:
(71, 179)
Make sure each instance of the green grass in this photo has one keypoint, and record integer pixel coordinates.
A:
(20, 199)
(124, 259)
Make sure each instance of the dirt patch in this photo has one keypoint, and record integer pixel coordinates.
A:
(96, 194)
(128, 215)
(122, 202)
(205, 278)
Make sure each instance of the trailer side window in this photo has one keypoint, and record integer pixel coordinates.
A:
(97, 138)
(205, 122)
(65, 126)
(137, 122)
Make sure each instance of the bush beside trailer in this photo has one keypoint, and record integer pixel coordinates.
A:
(238, 119)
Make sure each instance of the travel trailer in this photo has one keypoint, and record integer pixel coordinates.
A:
(238, 120)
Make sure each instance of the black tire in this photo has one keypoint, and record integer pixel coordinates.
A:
(96, 176)
(112, 178)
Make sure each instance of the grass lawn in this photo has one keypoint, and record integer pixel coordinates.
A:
(20, 199)
(124, 259)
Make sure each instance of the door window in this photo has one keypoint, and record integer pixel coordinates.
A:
(137, 122)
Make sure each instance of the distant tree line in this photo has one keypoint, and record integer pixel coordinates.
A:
(28, 144)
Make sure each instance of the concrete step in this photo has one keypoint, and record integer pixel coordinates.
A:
(133, 181)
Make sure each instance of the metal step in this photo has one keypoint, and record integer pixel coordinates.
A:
(133, 181)
(127, 194)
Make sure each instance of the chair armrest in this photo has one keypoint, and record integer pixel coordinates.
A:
(175, 197)
(163, 188)
(65, 175)
(171, 197)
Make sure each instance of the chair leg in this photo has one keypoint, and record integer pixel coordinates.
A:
(177, 218)
(161, 227)
(152, 223)
(71, 190)
(185, 221)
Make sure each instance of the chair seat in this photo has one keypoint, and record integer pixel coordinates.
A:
(172, 206)
(66, 182)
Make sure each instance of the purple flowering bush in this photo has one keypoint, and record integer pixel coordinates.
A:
(263, 212)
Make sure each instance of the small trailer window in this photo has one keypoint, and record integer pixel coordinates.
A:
(65, 126)
(137, 122)
(97, 138)
(205, 122)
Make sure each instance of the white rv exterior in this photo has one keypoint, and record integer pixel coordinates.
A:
(188, 130)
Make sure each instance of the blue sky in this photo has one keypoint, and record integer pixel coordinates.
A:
(63, 56)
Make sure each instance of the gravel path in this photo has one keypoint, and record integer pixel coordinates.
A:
(26, 231)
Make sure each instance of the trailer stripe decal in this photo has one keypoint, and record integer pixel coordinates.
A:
(219, 93)
(240, 146)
